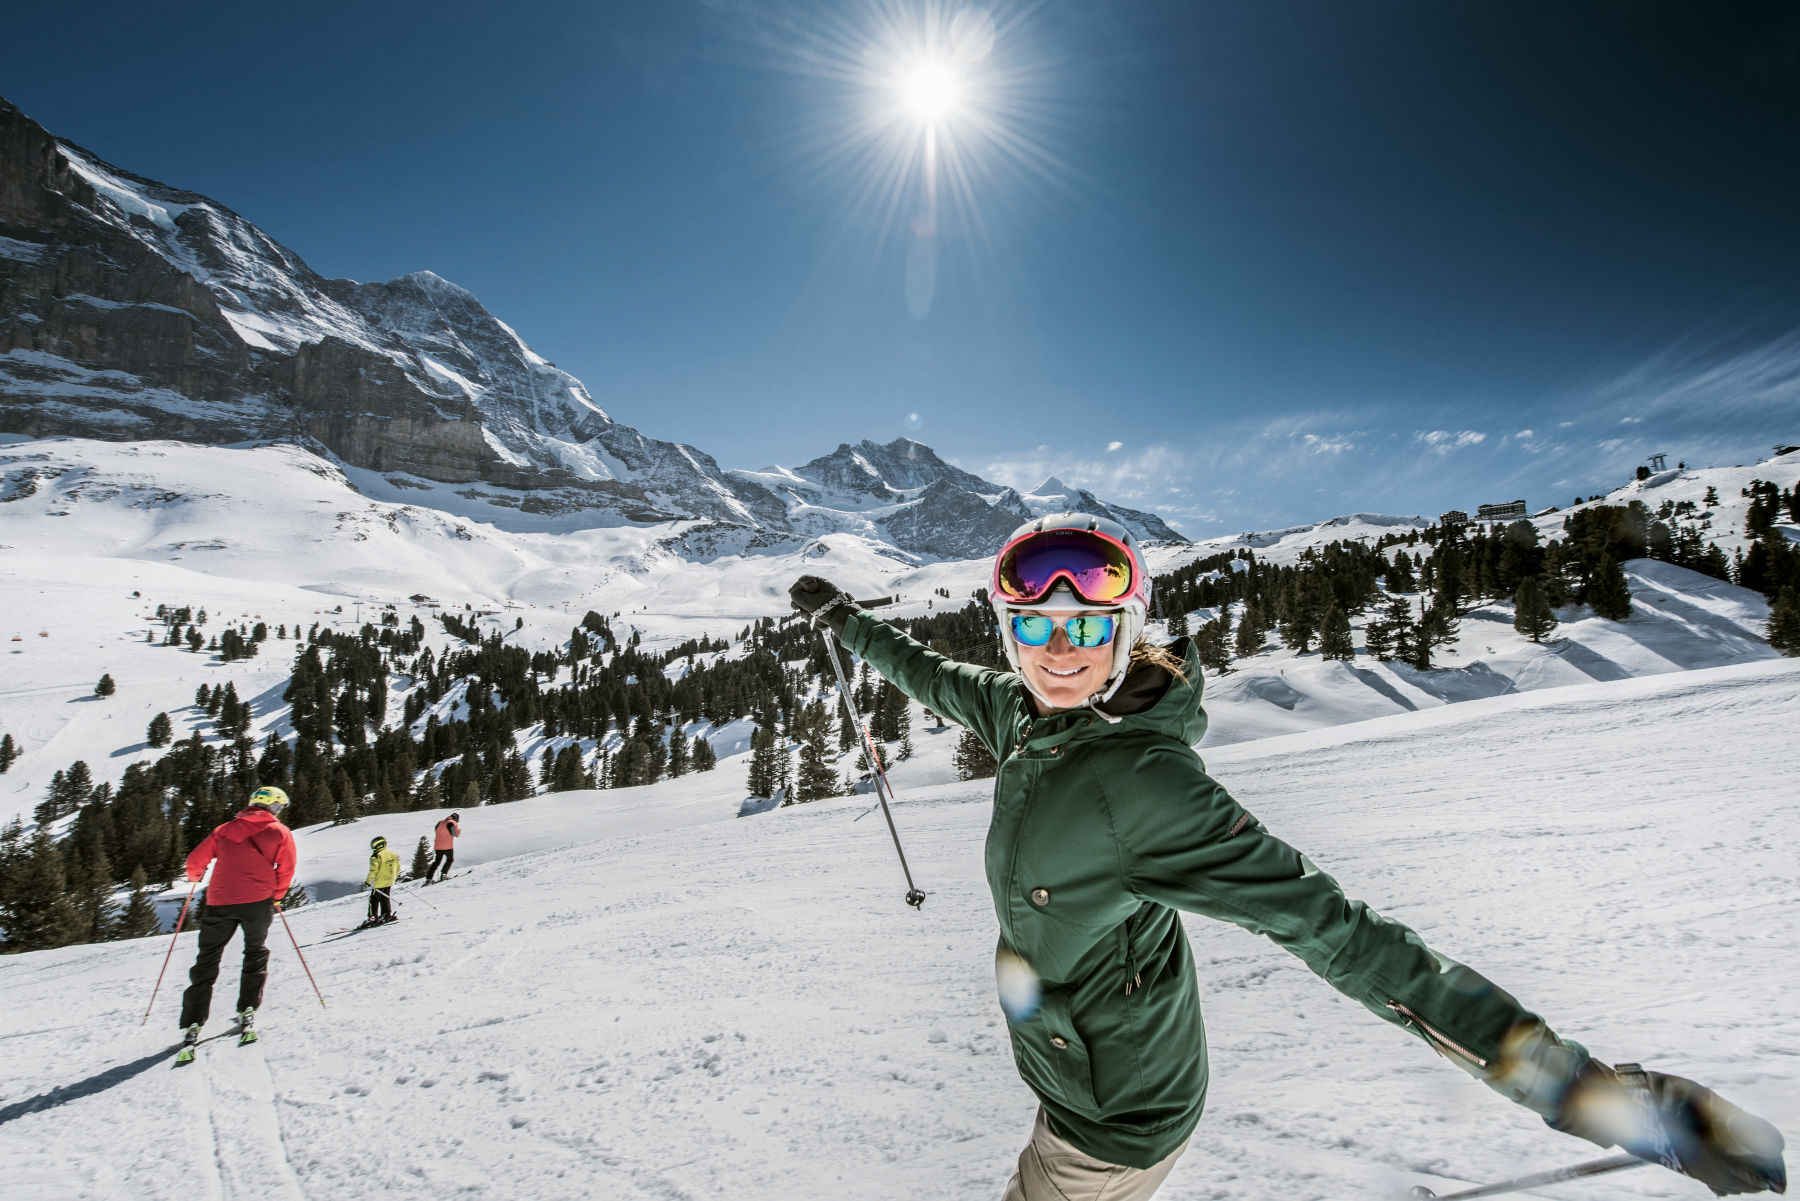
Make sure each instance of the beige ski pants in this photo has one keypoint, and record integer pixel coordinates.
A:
(1052, 1170)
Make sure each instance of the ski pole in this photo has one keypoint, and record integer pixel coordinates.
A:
(417, 896)
(296, 942)
(180, 918)
(914, 897)
(1593, 1167)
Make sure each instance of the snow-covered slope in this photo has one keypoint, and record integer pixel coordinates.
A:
(745, 1009)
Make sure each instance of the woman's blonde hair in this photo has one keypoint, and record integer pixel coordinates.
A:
(1144, 651)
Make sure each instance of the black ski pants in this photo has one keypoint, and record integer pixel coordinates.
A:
(216, 928)
(443, 859)
(378, 904)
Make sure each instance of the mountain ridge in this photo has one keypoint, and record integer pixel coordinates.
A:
(131, 309)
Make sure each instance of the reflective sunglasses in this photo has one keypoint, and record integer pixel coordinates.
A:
(1082, 629)
(1095, 565)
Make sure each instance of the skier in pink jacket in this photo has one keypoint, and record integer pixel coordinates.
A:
(444, 848)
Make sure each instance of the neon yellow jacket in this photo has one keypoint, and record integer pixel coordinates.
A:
(384, 868)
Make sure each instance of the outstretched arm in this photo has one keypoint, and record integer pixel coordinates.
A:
(977, 698)
(1199, 850)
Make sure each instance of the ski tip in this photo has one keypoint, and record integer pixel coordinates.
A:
(1419, 1192)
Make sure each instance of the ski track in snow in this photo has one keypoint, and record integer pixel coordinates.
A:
(745, 1010)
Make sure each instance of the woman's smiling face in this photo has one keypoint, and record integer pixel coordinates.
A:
(1060, 672)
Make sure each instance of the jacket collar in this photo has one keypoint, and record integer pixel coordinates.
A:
(1150, 699)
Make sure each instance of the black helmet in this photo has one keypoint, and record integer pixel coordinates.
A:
(376, 843)
(456, 817)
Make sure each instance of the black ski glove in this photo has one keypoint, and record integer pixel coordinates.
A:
(1676, 1123)
(364, 887)
(822, 602)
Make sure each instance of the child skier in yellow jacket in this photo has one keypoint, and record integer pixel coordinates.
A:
(384, 869)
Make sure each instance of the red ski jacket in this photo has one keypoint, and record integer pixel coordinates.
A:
(256, 859)
(447, 831)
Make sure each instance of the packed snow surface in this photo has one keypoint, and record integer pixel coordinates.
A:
(744, 1009)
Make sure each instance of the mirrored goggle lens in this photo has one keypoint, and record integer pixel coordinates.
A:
(1099, 571)
(1087, 630)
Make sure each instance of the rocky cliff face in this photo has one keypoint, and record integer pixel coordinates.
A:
(133, 310)
(130, 309)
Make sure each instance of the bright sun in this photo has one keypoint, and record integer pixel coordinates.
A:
(932, 91)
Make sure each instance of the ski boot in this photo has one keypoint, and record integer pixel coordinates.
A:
(190, 1038)
(246, 1026)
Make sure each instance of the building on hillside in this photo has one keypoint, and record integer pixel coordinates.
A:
(1512, 510)
(1453, 519)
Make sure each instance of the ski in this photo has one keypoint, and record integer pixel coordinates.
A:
(445, 879)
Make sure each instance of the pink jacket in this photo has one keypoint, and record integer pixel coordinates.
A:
(447, 830)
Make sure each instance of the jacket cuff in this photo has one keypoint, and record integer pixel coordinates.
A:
(1536, 1069)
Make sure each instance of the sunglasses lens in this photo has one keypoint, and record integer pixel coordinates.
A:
(1090, 631)
(1031, 630)
(1100, 571)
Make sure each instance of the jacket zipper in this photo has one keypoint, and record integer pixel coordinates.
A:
(1133, 977)
(1439, 1042)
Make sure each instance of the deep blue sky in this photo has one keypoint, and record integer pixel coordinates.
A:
(1296, 259)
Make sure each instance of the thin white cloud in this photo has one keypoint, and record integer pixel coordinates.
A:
(1326, 446)
(1444, 441)
(1112, 446)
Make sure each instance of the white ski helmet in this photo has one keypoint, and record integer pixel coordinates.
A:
(1068, 562)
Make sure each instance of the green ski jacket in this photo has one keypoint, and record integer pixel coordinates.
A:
(1101, 832)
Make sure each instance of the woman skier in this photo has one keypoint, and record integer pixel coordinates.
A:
(443, 845)
(254, 857)
(1105, 824)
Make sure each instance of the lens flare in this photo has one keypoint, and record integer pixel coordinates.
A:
(1020, 994)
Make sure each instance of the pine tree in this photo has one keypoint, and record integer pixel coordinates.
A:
(421, 860)
(818, 779)
(1532, 615)
(472, 796)
(1336, 640)
(973, 760)
(160, 731)
(678, 753)
(1784, 623)
(906, 746)
(1608, 592)
(35, 909)
(9, 751)
(1414, 639)
(138, 918)
(705, 758)
(97, 914)
(761, 779)
(1249, 639)
(105, 687)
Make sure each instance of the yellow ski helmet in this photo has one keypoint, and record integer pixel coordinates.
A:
(272, 799)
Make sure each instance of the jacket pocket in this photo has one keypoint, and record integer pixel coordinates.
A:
(1052, 1057)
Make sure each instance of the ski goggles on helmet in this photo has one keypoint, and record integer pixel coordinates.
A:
(1098, 567)
(1082, 629)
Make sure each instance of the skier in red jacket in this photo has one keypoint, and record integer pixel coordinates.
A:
(255, 858)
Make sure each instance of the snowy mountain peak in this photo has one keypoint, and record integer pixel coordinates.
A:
(132, 310)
